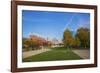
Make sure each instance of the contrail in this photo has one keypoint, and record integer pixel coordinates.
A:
(68, 24)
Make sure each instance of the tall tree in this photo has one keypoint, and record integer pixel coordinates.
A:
(84, 36)
(77, 42)
(68, 39)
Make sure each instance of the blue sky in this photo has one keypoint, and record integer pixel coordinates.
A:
(52, 24)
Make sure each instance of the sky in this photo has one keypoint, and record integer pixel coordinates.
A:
(52, 24)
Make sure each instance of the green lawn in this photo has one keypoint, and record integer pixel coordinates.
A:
(60, 53)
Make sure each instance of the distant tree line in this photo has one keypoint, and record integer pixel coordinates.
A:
(81, 39)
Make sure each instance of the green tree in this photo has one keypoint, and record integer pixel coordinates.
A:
(77, 42)
(84, 36)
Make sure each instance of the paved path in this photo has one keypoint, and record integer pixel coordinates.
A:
(35, 52)
(85, 54)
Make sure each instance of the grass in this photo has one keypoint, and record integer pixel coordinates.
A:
(60, 53)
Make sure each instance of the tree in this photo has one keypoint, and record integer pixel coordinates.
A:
(84, 36)
(33, 44)
(26, 44)
(68, 39)
(77, 42)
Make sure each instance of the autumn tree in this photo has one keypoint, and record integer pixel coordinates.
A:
(34, 44)
(68, 39)
(26, 44)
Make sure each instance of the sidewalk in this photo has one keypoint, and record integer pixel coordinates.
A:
(35, 52)
(85, 54)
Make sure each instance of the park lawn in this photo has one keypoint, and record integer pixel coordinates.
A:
(60, 53)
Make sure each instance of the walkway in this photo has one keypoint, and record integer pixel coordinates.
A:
(34, 52)
(85, 54)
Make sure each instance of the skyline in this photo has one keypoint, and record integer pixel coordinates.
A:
(51, 24)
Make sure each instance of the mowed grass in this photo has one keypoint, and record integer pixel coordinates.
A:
(58, 53)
